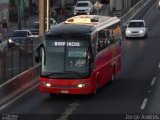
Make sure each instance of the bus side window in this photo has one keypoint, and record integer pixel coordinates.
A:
(108, 37)
(101, 40)
(111, 37)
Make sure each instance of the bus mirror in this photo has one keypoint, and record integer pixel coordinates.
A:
(38, 51)
(37, 59)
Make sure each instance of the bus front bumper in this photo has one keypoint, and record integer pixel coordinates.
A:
(64, 90)
(66, 87)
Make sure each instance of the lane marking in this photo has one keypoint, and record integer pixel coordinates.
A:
(159, 66)
(153, 81)
(69, 111)
(144, 103)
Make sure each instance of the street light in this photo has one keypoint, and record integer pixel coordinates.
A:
(48, 17)
(41, 19)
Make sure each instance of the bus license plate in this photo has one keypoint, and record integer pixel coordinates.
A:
(64, 91)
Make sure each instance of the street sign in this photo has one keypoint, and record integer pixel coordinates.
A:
(97, 5)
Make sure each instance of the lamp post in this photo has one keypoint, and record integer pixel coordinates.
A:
(41, 19)
(48, 16)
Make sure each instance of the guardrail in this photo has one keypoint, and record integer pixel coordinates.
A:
(17, 59)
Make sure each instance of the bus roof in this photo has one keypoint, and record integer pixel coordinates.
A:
(83, 25)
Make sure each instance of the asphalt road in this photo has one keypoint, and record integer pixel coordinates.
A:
(133, 95)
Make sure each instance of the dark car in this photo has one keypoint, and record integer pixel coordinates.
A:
(22, 38)
(34, 29)
(35, 26)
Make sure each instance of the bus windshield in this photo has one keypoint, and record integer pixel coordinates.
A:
(65, 58)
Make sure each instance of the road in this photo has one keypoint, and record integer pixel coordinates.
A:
(133, 95)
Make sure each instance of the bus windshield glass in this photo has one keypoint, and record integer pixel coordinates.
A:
(65, 58)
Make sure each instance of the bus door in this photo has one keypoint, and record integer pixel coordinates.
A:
(103, 63)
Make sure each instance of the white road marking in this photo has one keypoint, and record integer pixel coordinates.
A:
(153, 81)
(159, 66)
(144, 103)
(68, 111)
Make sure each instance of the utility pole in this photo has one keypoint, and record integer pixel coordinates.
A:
(48, 15)
(41, 19)
(19, 14)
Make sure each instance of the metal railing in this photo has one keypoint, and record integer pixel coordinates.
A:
(17, 59)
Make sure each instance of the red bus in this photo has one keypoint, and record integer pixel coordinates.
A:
(80, 55)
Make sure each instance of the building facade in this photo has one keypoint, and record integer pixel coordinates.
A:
(17, 7)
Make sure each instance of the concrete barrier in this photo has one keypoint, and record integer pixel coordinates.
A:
(19, 84)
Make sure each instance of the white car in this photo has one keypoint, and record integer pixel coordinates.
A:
(136, 28)
(83, 7)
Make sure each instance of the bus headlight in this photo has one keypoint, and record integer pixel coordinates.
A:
(46, 84)
(82, 85)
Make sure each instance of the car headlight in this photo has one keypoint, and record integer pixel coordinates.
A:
(10, 40)
(141, 31)
(128, 31)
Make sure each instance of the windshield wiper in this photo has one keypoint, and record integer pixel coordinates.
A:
(62, 73)
(50, 74)
(77, 73)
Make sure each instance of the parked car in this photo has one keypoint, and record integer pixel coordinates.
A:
(35, 26)
(159, 4)
(136, 28)
(83, 7)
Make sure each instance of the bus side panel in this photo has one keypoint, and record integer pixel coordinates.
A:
(118, 58)
(104, 66)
